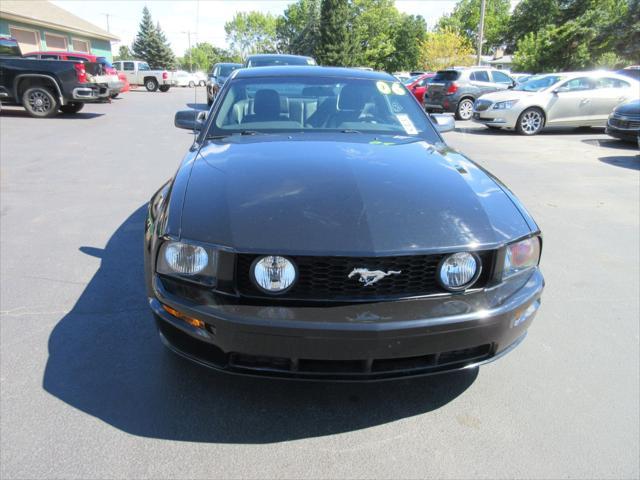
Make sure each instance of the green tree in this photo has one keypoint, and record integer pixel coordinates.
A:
(445, 48)
(298, 29)
(151, 45)
(336, 34)
(124, 53)
(531, 16)
(375, 23)
(252, 32)
(465, 19)
(203, 56)
(589, 39)
(409, 36)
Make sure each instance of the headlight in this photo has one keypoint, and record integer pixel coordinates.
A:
(504, 105)
(187, 260)
(521, 256)
(459, 271)
(273, 274)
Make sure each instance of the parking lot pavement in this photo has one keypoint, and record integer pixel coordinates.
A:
(87, 390)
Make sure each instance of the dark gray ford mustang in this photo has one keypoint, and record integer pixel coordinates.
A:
(320, 228)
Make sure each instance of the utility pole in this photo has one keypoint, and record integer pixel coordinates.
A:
(107, 15)
(481, 30)
(188, 32)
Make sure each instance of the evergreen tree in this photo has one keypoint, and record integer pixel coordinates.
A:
(336, 42)
(151, 44)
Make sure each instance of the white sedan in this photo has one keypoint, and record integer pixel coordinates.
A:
(574, 99)
(183, 78)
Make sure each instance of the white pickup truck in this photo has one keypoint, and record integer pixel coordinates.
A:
(139, 73)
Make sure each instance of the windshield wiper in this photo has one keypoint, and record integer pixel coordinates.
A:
(350, 130)
(249, 132)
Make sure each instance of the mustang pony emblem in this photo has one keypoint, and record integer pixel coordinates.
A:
(369, 277)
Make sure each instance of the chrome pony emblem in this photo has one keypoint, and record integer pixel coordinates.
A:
(369, 277)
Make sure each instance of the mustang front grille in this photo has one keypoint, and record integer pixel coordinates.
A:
(327, 278)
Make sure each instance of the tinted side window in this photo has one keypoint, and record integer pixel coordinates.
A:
(610, 83)
(446, 76)
(480, 76)
(577, 84)
(128, 66)
(49, 57)
(80, 59)
(500, 77)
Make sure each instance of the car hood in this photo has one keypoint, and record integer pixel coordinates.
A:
(506, 95)
(629, 108)
(345, 194)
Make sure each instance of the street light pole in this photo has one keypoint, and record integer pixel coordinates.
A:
(481, 30)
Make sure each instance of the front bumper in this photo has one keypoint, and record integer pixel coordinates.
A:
(507, 118)
(352, 342)
(629, 134)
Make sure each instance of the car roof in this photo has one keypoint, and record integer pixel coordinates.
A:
(228, 63)
(311, 71)
(588, 73)
(276, 55)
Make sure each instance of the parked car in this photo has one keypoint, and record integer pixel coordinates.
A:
(329, 232)
(201, 78)
(571, 99)
(632, 71)
(272, 60)
(45, 88)
(520, 77)
(419, 86)
(455, 90)
(182, 78)
(114, 83)
(624, 121)
(139, 73)
(219, 74)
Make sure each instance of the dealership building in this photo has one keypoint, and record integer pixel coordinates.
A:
(39, 25)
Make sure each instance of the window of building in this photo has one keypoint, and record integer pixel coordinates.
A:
(55, 42)
(29, 40)
(81, 45)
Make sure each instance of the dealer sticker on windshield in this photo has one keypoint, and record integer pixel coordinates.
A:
(406, 123)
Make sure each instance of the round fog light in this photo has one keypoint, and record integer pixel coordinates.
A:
(274, 274)
(458, 271)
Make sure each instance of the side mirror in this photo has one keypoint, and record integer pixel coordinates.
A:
(444, 123)
(190, 119)
(555, 91)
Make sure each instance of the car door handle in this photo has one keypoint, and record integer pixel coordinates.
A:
(622, 99)
(584, 101)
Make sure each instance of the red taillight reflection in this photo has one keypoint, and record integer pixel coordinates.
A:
(453, 88)
(81, 73)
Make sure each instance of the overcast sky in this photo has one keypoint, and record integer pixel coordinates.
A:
(204, 18)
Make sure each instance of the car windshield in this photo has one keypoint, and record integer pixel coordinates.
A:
(225, 70)
(538, 83)
(319, 104)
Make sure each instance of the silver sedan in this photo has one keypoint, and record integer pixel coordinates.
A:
(573, 99)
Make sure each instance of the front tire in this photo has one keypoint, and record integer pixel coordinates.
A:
(191, 84)
(530, 122)
(164, 88)
(464, 111)
(202, 83)
(151, 85)
(39, 102)
(71, 108)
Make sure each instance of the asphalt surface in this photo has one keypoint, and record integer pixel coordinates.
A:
(88, 391)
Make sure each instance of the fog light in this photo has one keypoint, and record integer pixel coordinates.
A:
(194, 322)
(274, 274)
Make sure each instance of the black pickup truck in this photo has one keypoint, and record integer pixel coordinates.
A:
(44, 87)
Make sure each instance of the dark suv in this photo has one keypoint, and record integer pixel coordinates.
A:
(217, 77)
(455, 90)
